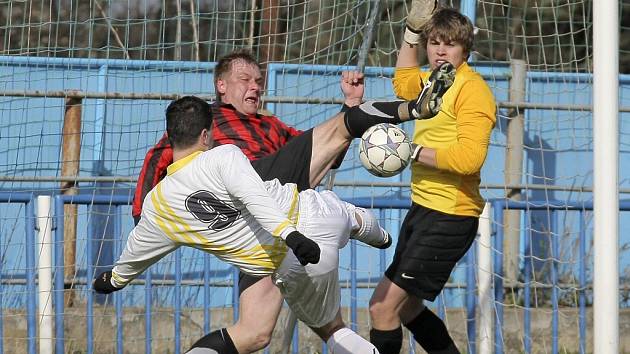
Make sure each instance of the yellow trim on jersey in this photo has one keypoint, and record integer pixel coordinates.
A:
(179, 164)
(268, 256)
(167, 213)
(118, 279)
(281, 227)
(293, 214)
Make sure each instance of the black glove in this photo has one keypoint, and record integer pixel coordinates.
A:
(103, 283)
(305, 249)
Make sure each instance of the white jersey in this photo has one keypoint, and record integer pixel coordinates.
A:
(213, 201)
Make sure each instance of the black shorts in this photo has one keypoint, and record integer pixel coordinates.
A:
(429, 245)
(290, 164)
(245, 281)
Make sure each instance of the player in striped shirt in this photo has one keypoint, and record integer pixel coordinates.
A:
(213, 200)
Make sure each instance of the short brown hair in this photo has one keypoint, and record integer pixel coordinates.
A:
(448, 24)
(224, 65)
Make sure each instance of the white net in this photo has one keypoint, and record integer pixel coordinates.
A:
(121, 62)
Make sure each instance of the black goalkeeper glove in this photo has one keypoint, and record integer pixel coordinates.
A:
(103, 283)
(305, 249)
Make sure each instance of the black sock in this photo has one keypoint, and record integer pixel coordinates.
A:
(431, 333)
(387, 342)
(218, 340)
(359, 118)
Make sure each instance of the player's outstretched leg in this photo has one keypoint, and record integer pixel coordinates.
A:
(428, 103)
(369, 231)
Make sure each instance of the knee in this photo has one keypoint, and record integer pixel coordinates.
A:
(258, 339)
(251, 338)
(380, 310)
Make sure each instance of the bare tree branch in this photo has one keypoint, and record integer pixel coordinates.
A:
(193, 16)
(112, 29)
(178, 32)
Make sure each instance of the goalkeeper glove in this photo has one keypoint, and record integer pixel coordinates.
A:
(103, 283)
(305, 249)
(419, 15)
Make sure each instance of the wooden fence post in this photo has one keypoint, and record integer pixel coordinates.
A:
(70, 156)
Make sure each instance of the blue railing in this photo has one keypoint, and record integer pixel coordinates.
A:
(116, 202)
(551, 206)
(377, 203)
(29, 221)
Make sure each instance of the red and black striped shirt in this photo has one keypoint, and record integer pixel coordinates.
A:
(256, 135)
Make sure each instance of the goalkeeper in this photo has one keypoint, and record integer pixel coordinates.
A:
(214, 201)
(451, 149)
(278, 151)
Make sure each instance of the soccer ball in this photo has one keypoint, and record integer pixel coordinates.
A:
(385, 150)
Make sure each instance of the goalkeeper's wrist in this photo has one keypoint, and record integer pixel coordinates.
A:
(416, 152)
(411, 37)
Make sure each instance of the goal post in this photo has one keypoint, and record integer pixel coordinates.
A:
(606, 176)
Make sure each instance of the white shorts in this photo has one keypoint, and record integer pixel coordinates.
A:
(312, 291)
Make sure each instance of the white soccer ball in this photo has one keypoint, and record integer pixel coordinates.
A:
(385, 150)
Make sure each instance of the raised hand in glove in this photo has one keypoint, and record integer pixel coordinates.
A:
(419, 15)
(103, 283)
(305, 249)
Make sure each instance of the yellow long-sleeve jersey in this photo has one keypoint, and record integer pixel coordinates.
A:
(460, 134)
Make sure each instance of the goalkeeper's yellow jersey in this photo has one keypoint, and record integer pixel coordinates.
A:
(213, 201)
(460, 134)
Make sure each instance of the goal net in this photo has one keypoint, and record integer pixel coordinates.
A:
(83, 89)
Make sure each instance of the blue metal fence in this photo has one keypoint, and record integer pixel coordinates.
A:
(550, 206)
(29, 248)
(116, 202)
(27, 199)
